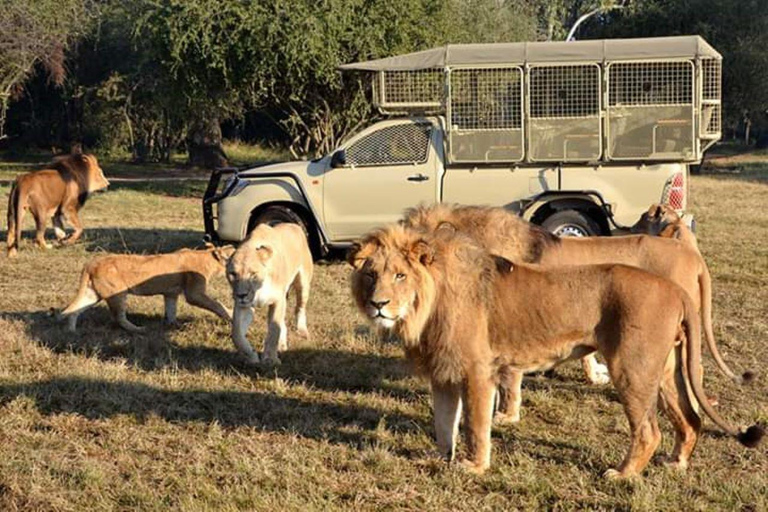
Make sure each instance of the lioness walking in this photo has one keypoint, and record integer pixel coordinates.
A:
(114, 277)
(270, 262)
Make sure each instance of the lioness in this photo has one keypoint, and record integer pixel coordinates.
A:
(114, 277)
(503, 233)
(58, 192)
(270, 262)
(466, 318)
(662, 220)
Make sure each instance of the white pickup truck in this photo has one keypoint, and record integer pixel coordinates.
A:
(578, 137)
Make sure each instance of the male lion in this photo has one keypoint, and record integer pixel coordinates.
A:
(114, 277)
(466, 318)
(58, 192)
(662, 220)
(270, 262)
(503, 233)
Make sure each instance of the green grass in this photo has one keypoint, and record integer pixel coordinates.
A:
(172, 419)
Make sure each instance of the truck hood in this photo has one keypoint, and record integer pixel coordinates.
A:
(299, 167)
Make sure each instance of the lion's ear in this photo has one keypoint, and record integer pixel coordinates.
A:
(264, 252)
(422, 252)
(657, 210)
(359, 252)
(446, 229)
(222, 254)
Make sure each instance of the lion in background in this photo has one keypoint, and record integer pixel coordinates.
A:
(662, 220)
(466, 318)
(505, 234)
(114, 277)
(266, 266)
(58, 193)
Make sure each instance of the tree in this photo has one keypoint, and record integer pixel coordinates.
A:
(35, 33)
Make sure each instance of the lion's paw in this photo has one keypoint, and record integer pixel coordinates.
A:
(615, 474)
(501, 418)
(270, 361)
(473, 467)
(303, 332)
(252, 359)
(599, 375)
(676, 464)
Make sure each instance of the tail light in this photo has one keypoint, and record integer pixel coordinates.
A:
(674, 192)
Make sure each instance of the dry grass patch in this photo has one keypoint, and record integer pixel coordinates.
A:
(171, 418)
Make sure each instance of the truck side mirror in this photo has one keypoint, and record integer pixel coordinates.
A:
(339, 159)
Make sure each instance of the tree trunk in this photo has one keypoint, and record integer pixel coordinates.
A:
(204, 144)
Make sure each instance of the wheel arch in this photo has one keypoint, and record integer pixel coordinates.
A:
(546, 205)
(316, 245)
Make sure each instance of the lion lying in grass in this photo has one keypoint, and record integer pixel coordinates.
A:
(503, 233)
(270, 262)
(58, 193)
(114, 277)
(466, 318)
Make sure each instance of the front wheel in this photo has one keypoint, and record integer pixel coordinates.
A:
(571, 223)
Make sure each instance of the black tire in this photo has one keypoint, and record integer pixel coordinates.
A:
(273, 215)
(571, 223)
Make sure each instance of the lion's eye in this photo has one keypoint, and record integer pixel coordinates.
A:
(399, 277)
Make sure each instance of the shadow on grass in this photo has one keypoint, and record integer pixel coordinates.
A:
(101, 399)
(123, 240)
(141, 241)
(323, 369)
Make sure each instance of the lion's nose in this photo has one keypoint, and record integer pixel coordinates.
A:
(379, 304)
(242, 295)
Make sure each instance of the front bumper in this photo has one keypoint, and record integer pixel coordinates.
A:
(211, 197)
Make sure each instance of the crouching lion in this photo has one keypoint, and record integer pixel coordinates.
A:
(58, 192)
(114, 277)
(270, 262)
(466, 317)
(507, 235)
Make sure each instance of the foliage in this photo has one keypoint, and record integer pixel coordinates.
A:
(32, 33)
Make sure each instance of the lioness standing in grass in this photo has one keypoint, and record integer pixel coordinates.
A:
(114, 277)
(270, 262)
(504, 233)
(58, 193)
(466, 318)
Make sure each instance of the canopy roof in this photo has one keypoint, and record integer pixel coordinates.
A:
(559, 51)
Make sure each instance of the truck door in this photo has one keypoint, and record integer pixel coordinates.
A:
(389, 167)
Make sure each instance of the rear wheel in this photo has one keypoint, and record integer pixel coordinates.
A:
(571, 223)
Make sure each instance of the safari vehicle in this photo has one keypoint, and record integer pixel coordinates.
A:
(579, 137)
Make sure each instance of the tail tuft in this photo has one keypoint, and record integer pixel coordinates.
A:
(752, 436)
(747, 377)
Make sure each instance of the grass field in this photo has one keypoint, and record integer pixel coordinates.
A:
(171, 419)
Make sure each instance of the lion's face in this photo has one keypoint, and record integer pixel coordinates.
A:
(248, 272)
(653, 222)
(390, 281)
(96, 179)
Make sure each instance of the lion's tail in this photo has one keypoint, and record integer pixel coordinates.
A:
(86, 296)
(14, 218)
(705, 285)
(749, 437)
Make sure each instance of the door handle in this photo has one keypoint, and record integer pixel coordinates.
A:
(418, 177)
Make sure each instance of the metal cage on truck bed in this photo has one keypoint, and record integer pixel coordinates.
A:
(653, 99)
